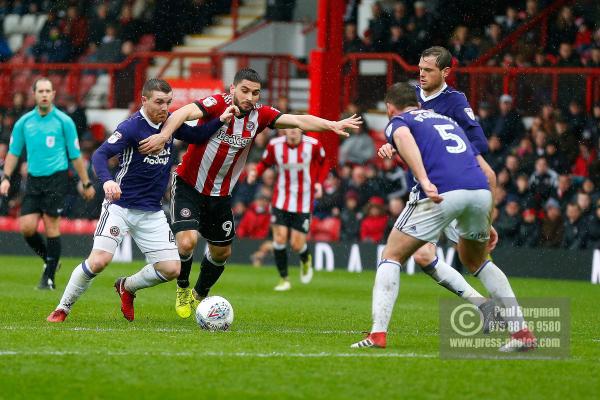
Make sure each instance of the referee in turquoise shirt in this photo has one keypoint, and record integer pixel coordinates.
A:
(50, 138)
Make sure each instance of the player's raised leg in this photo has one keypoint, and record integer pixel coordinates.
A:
(398, 249)
(298, 242)
(280, 238)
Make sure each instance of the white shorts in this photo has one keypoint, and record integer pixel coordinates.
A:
(450, 232)
(425, 220)
(149, 229)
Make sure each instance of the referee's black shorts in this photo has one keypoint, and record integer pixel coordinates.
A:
(46, 194)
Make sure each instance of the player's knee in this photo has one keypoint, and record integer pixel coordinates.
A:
(186, 244)
(297, 245)
(220, 254)
(423, 257)
(169, 269)
(27, 230)
(98, 261)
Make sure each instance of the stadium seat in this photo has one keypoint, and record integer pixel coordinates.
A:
(28, 24)
(15, 42)
(11, 24)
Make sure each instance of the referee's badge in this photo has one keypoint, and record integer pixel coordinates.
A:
(50, 141)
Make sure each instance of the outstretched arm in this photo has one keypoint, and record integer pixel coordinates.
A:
(201, 133)
(156, 143)
(311, 123)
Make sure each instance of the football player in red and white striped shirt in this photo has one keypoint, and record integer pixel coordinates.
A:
(203, 182)
(302, 168)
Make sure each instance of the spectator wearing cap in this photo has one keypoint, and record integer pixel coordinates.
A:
(529, 230)
(350, 218)
(594, 228)
(509, 220)
(372, 227)
(576, 235)
(509, 127)
(552, 227)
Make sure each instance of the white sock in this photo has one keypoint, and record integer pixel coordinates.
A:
(453, 280)
(144, 278)
(497, 284)
(80, 280)
(385, 292)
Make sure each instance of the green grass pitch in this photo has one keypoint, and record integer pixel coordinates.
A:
(281, 345)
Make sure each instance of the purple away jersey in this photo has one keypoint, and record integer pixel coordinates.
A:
(452, 103)
(447, 154)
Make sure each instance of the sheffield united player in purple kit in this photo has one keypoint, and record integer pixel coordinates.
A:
(133, 201)
(450, 186)
(434, 94)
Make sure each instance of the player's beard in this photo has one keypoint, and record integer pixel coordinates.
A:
(243, 111)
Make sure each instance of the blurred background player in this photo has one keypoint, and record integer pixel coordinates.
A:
(450, 186)
(132, 203)
(302, 169)
(50, 138)
(202, 185)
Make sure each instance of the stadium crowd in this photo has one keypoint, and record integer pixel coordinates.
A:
(547, 161)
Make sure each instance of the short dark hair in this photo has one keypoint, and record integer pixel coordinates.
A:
(401, 95)
(443, 58)
(42, 79)
(246, 73)
(155, 84)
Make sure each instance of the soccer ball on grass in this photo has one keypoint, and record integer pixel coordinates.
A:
(214, 313)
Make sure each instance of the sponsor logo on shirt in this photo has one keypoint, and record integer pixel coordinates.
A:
(161, 159)
(234, 140)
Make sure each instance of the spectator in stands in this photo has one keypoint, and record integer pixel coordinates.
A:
(589, 188)
(510, 21)
(587, 156)
(509, 220)
(460, 47)
(583, 38)
(18, 107)
(523, 193)
(109, 50)
(399, 15)
(592, 130)
(352, 43)
(564, 192)
(77, 114)
(255, 223)
(540, 140)
(496, 155)
(358, 148)
(492, 38)
(576, 117)
(564, 30)
(584, 202)
(258, 148)
(395, 178)
(358, 183)
(373, 225)
(593, 223)
(509, 125)
(529, 230)
(512, 166)
(395, 207)
(399, 42)
(379, 27)
(526, 154)
(570, 86)
(594, 59)
(75, 28)
(531, 11)
(566, 140)
(575, 236)
(543, 181)
(332, 201)
(350, 218)
(486, 118)
(55, 49)
(98, 24)
(129, 28)
(125, 77)
(419, 27)
(552, 227)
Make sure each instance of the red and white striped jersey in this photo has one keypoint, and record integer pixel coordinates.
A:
(299, 168)
(214, 167)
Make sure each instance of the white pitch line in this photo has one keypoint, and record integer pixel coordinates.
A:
(358, 354)
(177, 330)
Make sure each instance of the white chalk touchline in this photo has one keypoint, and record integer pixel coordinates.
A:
(177, 330)
(358, 353)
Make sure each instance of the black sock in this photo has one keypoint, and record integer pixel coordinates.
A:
(281, 261)
(209, 275)
(36, 242)
(183, 280)
(304, 255)
(53, 256)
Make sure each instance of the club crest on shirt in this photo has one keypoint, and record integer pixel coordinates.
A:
(114, 137)
(250, 126)
(50, 141)
(209, 101)
(114, 230)
(185, 212)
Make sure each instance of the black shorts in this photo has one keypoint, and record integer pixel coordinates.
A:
(209, 215)
(46, 194)
(297, 221)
